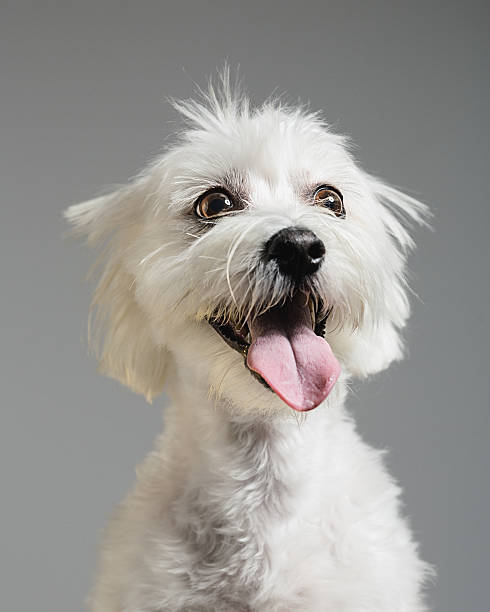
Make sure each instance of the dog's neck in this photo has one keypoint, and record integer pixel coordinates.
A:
(227, 453)
(242, 479)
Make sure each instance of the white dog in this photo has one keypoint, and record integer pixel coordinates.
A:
(252, 271)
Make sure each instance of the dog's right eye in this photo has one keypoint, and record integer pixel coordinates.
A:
(215, 203)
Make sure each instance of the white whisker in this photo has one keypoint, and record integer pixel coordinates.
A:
(231, 253)
(155, 252)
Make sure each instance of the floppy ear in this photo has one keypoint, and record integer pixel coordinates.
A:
(378, 341)
(119, 330)
(372, 347)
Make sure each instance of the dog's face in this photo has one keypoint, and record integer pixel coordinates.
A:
(256, 257)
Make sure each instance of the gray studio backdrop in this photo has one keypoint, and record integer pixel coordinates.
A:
(82, 108)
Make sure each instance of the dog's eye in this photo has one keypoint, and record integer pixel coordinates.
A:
(214, 203)
(331, 198)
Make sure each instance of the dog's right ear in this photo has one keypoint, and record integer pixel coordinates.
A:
(119, 330)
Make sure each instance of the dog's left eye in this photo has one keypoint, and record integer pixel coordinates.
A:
(215, 203)
(331, 198)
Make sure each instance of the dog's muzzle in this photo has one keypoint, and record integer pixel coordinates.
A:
(284, 346)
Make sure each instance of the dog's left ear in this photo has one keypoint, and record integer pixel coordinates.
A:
(378, 341)
(119, 330)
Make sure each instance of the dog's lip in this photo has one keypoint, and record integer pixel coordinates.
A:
(229, 334)
(234, 337)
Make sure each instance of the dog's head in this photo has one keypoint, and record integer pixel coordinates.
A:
(255, 256)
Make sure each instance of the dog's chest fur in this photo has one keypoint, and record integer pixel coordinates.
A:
(265, 518)
(227, 522)
(231, 517)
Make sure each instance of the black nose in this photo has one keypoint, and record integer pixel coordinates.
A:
(297, 251)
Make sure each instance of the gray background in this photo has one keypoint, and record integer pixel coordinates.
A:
(82, 107)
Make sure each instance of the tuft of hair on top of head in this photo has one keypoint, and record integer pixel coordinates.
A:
(226, 102)
(223, 100)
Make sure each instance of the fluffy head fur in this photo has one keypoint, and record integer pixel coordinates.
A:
(163, 271)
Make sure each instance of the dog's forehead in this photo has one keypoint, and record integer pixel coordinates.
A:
(271, 151)
(275, 145)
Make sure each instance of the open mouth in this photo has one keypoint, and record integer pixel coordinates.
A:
(284, 347)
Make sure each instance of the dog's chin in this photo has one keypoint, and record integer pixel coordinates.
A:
(285, 349)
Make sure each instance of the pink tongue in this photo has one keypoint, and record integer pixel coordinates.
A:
(296, 363)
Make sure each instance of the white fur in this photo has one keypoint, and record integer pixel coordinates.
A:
(244, 505)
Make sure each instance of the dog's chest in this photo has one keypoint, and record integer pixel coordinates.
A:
(274, 526)
(253, 559)
(247, 529)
